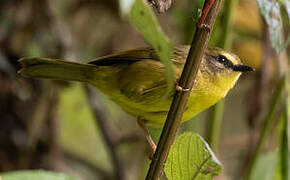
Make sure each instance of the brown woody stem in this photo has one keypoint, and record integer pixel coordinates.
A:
(173, 121)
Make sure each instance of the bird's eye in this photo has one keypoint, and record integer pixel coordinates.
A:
(222, 59)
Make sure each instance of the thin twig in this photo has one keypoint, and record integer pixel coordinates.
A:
(106, 131)
(188, 76)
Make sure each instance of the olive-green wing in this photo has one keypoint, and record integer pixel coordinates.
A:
(143, 77)
(137, 77)
(143, 81)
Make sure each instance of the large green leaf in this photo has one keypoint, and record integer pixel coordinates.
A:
(143, 19)
(190, 158)
(270, 9)
(35, 175)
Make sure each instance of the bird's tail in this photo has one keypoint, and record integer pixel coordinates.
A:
(57, 69)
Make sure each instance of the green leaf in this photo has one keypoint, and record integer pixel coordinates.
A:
(190, 157)
(143, 19)
(270, 9)
(35, 175)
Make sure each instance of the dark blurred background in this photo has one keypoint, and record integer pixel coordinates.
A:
(50, 125)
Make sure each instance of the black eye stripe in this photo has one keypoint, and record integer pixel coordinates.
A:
(223, 60)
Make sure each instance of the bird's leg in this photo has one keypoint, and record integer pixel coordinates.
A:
(147, 135)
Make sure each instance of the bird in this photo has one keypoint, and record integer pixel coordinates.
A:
(136, 80)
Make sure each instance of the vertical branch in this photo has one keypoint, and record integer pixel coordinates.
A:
(173, 121)
(216, 115)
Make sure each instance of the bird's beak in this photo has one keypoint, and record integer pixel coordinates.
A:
(242, 68)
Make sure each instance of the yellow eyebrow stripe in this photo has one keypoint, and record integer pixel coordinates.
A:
(232, 57)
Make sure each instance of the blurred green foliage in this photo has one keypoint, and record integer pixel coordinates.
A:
(78, 133)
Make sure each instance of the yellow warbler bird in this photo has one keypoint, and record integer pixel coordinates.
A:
(136, 79)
